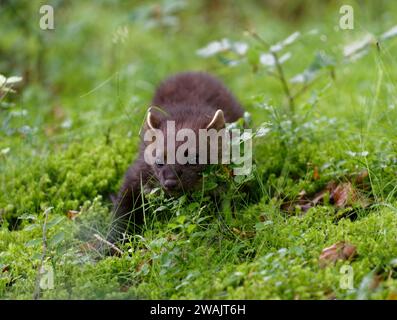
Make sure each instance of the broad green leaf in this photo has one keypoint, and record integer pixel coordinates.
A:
(181, 219)
(56, 239)
(31, 227)
(253, 57)
(33, 242)
(53, 222)
(27, 216)
(210, 185)
(190, 228)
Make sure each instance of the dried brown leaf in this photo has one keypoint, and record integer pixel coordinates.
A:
(316, 175)
(392, 296)
(244, 234)
(58, 112)
(5, 268)
(72, 214)
(338, 251)
(342, 194)
(361, 177)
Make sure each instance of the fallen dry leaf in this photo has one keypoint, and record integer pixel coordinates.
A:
(49, 131)
(331, 296)
(6, 268)
(376, 280)
(338, 251)
(347, 195)
(316, 175)
(172, 237)
(58, 112)
(342, 195)
(361, 177)
(142, 263)
(124, 288)
(72, 214)
(392, 296)
(263, 217)
(301, 203)
(243, 234)
(87, 246)
(319, 197)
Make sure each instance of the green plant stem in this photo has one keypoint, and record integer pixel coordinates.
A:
(287, 91)
(280, 71)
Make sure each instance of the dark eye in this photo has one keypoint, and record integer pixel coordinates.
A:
(159, 163)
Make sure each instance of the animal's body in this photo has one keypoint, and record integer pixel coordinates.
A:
(193, 100)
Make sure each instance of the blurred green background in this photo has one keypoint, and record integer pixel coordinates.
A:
(94, 75)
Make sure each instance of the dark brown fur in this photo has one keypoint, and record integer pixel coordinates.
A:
(191, 100)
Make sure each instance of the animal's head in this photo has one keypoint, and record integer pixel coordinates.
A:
(179, 151)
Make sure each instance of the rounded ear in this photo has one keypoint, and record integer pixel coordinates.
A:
(151, 121)
(218, 121)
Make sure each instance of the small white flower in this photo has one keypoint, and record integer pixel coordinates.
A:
(213, 48)
(357, 46)
(357, 154)
(240, 48)
(246, 136)
(5, 151)
(67, 124)
(261, 132)
(14, 79)
(221, 46)
(289, 40)
(120, 35)
(267, 59)
(389, 33)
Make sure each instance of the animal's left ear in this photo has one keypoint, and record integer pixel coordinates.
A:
(151, 121)
(218, 121)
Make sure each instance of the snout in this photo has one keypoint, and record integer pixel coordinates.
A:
(171, 184)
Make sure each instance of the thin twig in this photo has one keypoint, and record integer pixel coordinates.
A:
(36, 294)
(284, 82)
(303, 89)
(259, 39)
(98, 237)
(280, 71)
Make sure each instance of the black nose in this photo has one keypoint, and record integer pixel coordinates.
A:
(170, 184)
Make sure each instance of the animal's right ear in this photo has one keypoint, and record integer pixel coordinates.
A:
(218, 121)
(151, 121)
